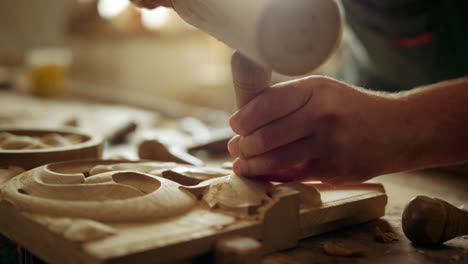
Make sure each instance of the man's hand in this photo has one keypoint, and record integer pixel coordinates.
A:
(151, 4)
(319, 128)
(322, 129)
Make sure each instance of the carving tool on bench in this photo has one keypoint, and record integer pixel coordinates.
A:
(431, 221)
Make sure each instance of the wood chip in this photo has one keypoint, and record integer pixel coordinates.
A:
(333, 249)
(384, 237)
(455, 258)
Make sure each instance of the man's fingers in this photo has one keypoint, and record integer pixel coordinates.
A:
(299, 172)
(233, 146)
(270, 105)
(280, 158)
(151, 4)
(275, 134)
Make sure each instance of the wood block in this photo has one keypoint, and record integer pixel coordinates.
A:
(281, 223)
(128, 212)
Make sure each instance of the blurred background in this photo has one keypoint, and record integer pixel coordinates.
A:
(127, 74)
(110, 50)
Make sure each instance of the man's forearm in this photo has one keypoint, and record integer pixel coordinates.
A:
(437, 115)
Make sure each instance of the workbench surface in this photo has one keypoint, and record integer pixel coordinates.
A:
(400, 187)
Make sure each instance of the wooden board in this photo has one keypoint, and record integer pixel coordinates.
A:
(63, 216)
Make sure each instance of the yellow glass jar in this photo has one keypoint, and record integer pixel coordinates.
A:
(48, 71)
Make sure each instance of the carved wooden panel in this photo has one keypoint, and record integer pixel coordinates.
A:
(131, 212)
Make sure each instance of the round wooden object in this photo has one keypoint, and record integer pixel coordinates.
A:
(89, 148)
(431, 221)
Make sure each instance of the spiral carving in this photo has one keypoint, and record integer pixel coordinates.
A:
(100, 190)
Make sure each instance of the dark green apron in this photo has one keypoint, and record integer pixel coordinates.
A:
(406, 43)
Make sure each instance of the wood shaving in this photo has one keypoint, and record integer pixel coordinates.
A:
(384, 237)
(333, 249)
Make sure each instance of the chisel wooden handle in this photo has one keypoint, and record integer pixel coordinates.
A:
(431, 221)
(249, 78)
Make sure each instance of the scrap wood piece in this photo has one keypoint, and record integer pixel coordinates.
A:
(154, 149)
(384, 237)
(332, 248)
(279, 258)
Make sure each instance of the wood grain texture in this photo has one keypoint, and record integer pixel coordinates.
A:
(249, 79)
(182, 222)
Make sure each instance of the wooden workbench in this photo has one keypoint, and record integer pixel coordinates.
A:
(400, 187)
